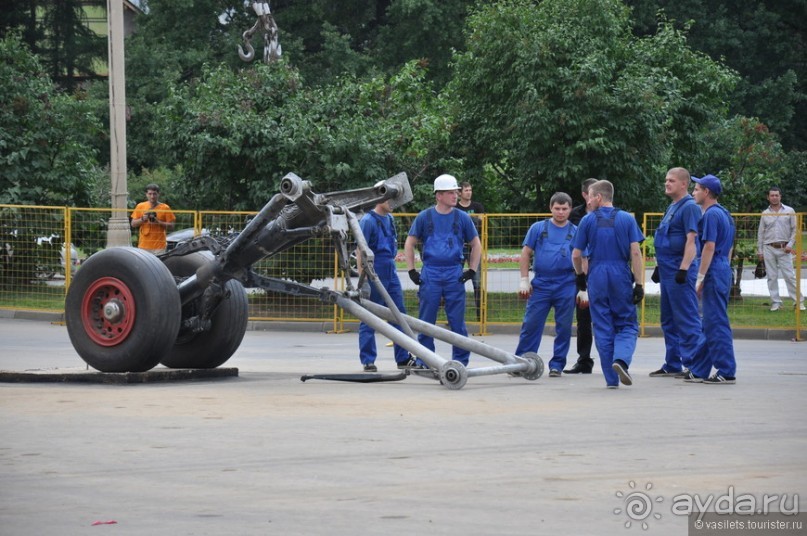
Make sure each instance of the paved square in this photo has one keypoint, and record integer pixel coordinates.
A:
(265, 453)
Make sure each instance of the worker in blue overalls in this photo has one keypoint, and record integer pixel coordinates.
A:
(443, 230)
(549, 244)
(677, 247)
(716, 233)
(614, 284)
(378, 228)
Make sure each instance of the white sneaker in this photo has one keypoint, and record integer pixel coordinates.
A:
(776, 306)
(802, 307)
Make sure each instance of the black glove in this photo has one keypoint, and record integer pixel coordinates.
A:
(760, 272)
(655, 278)
(638, 294)
(414, 275)
(681, 277)
(467, 275)
(580, 281)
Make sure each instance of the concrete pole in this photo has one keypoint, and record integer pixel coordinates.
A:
(119, 234)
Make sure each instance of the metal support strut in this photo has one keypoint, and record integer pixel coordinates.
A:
(451, 374)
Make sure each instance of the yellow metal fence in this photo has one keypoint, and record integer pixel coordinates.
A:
(35, 257)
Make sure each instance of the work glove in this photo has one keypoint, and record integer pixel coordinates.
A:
(467, 275)
(681, 277)
(414, 275)
(580, 281)
(365, 290)
(524, 287)
(582, 299)
(638, 294)
(655, 278)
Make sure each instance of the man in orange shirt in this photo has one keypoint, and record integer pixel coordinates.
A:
(153, 219)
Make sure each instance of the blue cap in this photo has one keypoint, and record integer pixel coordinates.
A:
(711, 182)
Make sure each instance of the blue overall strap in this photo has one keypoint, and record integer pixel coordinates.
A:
(729, 216)
(388, 230)
(674, 208)
(545, 233)
(733, 234)
(607, 222)
(380, 234)
(429, 225)
(546, 263)
(542, 235)
(455, 226)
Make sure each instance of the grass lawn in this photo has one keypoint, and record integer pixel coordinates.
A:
(750, 312)
(40, 297)
(503, 308)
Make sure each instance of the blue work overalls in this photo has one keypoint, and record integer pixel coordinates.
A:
(680, 318)
(608, 233)
(717, 226)
(382, 239)
(443, 238)
(552, 286)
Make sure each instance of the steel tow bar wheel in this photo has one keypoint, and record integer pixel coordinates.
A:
(214, 345)
(453, 375)
(537, 366)
(122, 310)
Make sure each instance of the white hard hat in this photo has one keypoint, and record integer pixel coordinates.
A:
(445, 182)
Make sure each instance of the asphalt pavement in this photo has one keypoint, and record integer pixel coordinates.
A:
(264, 453)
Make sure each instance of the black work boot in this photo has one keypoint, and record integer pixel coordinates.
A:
(583, 366)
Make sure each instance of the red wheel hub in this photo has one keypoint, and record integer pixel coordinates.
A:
(108, 311)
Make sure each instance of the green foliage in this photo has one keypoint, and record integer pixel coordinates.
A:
(58, 33)
(649, 246)
(747, 158)
(541, 95)
(549, 94)
(793, 190)
(220, 130)
(427, 30)
(334, 59)
(169, 180)
(174, 40)
(763, 40)
(69, 48)
(46, 137)
(233, 133)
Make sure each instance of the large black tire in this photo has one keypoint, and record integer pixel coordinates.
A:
(213, 347)
(122, 310)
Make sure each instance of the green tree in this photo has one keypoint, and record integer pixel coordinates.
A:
(795, 194)
(747, 157)
(57, 31)
(236, 134)
(427, 30)
(19, 16)
(328, 39)
(549, 94)
(46, 137)
(70, 47)
(763, 40)
(749, 160)
(173, 42)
